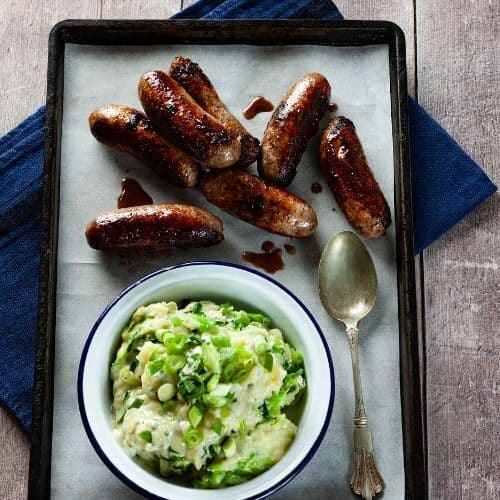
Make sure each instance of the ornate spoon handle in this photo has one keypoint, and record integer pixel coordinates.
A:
(366, 479)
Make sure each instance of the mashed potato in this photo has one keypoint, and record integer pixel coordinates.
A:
(200, 391)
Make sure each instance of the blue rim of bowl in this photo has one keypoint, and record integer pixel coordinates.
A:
(81, 405)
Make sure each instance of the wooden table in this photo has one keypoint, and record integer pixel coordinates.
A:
(453, 69)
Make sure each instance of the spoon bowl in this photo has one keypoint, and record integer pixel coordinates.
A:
(347, 278)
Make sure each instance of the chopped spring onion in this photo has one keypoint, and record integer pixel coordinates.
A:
(229, 372)
(268, 361)
(155, 366)
(197, 308)
(137, 403)
(191, 387)
(167, 405)
(176, 344)
(134, 364)
(146, 435)
(205, 324)
(159, 334)
(229, 447)
(210, 358)
(214, 401)
(192, 438)
(177, 321)
(174, 363)
(243, 428)
(218, 427)
(195, 416)
(221, 341)
(260, 345)
(241, 375)
(221, 390)
(212, 383)
(297, 358)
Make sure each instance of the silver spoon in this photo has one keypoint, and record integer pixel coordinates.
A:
(348, 288)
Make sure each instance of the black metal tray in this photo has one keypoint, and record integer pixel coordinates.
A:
(337, 33)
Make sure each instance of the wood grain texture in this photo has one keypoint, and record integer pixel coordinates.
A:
(458, 79)
(458, 82)
(25, 27)
(137, 9)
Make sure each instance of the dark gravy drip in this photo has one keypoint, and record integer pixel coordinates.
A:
(290, 249)
(316, 187)
(271, 262)
(267, 246)
(133, 195)
(258, 105)
(332, 107)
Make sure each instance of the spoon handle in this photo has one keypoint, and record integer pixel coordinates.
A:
(366, 479)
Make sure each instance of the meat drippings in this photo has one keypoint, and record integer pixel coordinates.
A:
(316, 187)
(258, 105)
(267, 246)
(271, 262)
(133, 194)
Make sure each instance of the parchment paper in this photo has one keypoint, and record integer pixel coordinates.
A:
(88, 280)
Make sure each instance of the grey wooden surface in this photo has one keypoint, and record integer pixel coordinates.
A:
(453, 62)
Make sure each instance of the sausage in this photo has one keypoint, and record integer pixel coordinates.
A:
(188, 74)
(179, 118)
(249, 198)
(128, 130)
(154, 227)
(355, 188)
(294, 121)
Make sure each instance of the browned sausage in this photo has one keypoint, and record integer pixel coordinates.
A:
(188, 74)
(294, 121)
(128, 130)
(178, 117)
(355, 188)
(249, 198)
(154, 227)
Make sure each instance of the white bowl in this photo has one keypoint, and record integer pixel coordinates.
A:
(218, 281)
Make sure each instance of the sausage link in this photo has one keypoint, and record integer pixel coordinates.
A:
(154, 227)
(294, 121)
(178, 117)
(355, 188)
(249, 198)
(128, 130)
(188, 74)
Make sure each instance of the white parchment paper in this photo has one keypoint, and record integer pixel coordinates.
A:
(88, 280)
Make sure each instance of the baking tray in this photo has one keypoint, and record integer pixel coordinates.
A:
(247, 33)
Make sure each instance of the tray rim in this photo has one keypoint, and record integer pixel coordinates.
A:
(274, 32)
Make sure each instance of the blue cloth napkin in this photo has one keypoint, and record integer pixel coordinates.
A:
(447, 185)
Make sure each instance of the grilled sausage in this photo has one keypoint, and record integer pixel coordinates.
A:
(128, 130)
(188, 74)
(355, 188)
(179, 118)
(249, 198)
(294, 121)
(154, 227)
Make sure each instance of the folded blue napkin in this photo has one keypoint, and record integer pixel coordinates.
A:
(447, 185)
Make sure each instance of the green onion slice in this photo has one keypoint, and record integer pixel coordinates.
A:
(221, 341)
(195, 416)
(146, 435)
(192, 438)
(214, 401)
(218, 427)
